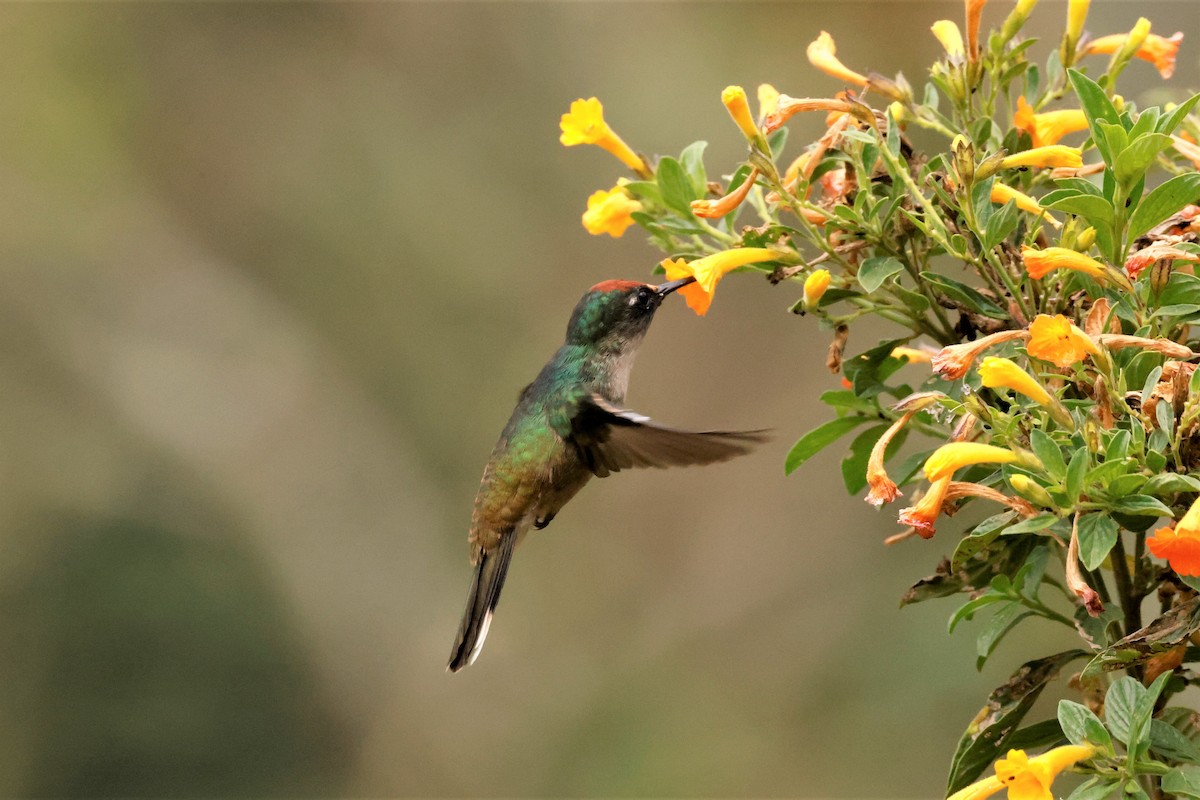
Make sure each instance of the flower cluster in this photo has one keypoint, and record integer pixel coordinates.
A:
(1039, 269)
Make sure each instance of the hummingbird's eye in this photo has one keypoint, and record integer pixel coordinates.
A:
(641, 296)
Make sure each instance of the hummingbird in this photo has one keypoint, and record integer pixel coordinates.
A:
(570, 425)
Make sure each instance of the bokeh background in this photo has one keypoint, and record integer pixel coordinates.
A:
(271, 277)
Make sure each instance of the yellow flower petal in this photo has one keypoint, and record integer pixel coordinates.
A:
(948, 34)
(822, 54)
(815, 286)
(709, 270)
(1002, 193)
(1050, 126)
(584, 124)
(1002, 373)
(610, 212)
(1057, 340)
(1053, 155)
(954, 455)
(734, 98)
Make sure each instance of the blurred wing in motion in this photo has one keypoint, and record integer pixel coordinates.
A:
(609, 439)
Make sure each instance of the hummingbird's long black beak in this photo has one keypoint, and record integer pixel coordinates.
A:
(665, 289)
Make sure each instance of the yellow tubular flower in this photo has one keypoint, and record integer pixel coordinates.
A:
(1158, 50)
(979, 790)
(815, 286)
(1016, 19)
(1053, 155)
(709, 270)
(768, 100)
(913, 354)
(953, 361)
(1002, 193)
(947, 33)
(1049, 126)
(952, 456)
(584, 124)
(610, 212)
(1039, 263)
(822, 54)
(974, 12)
(883, 488)
(734, 98)
(1001, 373)
(924, 514)
(1057, 340)
(1030, 778)
(710, 209)
(1077, 11)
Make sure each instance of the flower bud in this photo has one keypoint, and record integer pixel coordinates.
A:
(1031, 490)
(1160, 273)
(964, 159)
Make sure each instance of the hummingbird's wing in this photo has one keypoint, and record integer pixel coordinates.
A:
(609, 439)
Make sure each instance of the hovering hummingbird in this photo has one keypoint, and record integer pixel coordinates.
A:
(569, 424)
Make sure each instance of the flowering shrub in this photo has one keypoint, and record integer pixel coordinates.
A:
(1042, 296)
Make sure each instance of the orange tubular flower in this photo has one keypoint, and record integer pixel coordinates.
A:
(953, 361)
(1050, 126)
(1179, 544)
(610, 212)
(790, 106)
(1039, 263)
(1002, 193)
(1057, 340)
(822, 54)
(1158, 50)
(883, 488)
(974, 11)
(924, 514)
(710, 209)
(1051, 155)
(584, 124)
(1118, 341)
(708, 272)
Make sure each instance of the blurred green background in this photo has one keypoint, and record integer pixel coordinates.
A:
(271, 277)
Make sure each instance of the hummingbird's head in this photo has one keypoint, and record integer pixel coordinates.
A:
(617, 313)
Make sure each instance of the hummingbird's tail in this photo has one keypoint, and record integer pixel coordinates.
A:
(481, 602)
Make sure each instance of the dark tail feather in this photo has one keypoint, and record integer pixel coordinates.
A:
(481, 602)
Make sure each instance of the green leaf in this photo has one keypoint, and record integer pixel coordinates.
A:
(692, 161)
(777, 140)
(1141, 506)
(1003, 621)
(818, 439)
(1081, 726)
(1035, 524)
(1182, 781)
(867, 371)
(676, 187)
(1097, 535)
(1096, 210)
(995, 726)
(1049, 453)
(1172, 482)
(1120, 707)
(1094, 789)
(967, 610)
(1168, 123)
(1139, 730)
(970, 298)
(1000, 225)
(1076, 473)
(1096, 107)
(1167, 741)
(874, 271)
(1138, 155)
(1163, 201)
